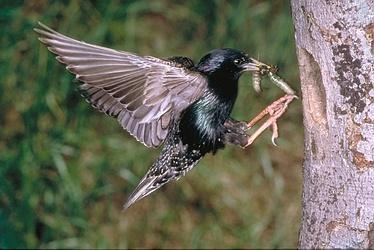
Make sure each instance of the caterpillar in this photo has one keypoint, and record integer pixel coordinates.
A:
(277, 80)
(256, 81)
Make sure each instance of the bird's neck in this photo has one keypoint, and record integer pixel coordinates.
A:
(202, 122)
(217, 101)
(225, 88)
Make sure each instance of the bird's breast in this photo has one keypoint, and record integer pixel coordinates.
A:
(201, 125)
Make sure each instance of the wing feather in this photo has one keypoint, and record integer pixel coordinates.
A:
(144, 93)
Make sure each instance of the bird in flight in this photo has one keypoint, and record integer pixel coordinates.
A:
(170, 102)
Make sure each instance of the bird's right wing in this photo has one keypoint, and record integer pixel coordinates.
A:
(144, 93)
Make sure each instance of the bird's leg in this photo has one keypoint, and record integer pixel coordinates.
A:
(236, 139)
(235, 132)
(236, 126)
(274, 110)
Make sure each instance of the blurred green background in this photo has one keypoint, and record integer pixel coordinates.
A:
(66, 169)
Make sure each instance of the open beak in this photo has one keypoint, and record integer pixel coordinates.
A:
(250, 66)
(259, 64)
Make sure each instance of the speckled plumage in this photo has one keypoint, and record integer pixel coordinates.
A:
(171, 101)
(199, 130)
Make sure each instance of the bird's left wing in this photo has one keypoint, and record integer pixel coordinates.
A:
(144, 93)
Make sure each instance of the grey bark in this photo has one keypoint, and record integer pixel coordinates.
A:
(335, 48)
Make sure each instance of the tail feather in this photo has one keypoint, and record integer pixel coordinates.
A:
(146, 186)
(174, 161)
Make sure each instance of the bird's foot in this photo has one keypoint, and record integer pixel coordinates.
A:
(275, 111)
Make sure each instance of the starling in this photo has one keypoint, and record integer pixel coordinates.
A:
(170, 102)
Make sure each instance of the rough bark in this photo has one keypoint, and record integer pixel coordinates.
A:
(335, 47)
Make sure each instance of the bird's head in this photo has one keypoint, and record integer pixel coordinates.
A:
(226, 63)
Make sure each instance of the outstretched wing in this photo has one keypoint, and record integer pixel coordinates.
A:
(144, 93)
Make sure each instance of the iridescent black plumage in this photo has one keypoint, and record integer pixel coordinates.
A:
(170, 101)
(202, 127)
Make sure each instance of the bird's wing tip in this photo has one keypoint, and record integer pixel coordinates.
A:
(44, 29)
(43, 25)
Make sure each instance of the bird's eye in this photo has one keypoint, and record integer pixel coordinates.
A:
(237, 61)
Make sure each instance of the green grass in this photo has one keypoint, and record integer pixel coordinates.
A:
(66, 169)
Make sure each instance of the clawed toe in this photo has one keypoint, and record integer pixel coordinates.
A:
(275, 111)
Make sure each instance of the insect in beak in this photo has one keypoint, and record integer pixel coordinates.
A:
(271, 71)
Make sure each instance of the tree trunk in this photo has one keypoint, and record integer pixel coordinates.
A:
(335, 47)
